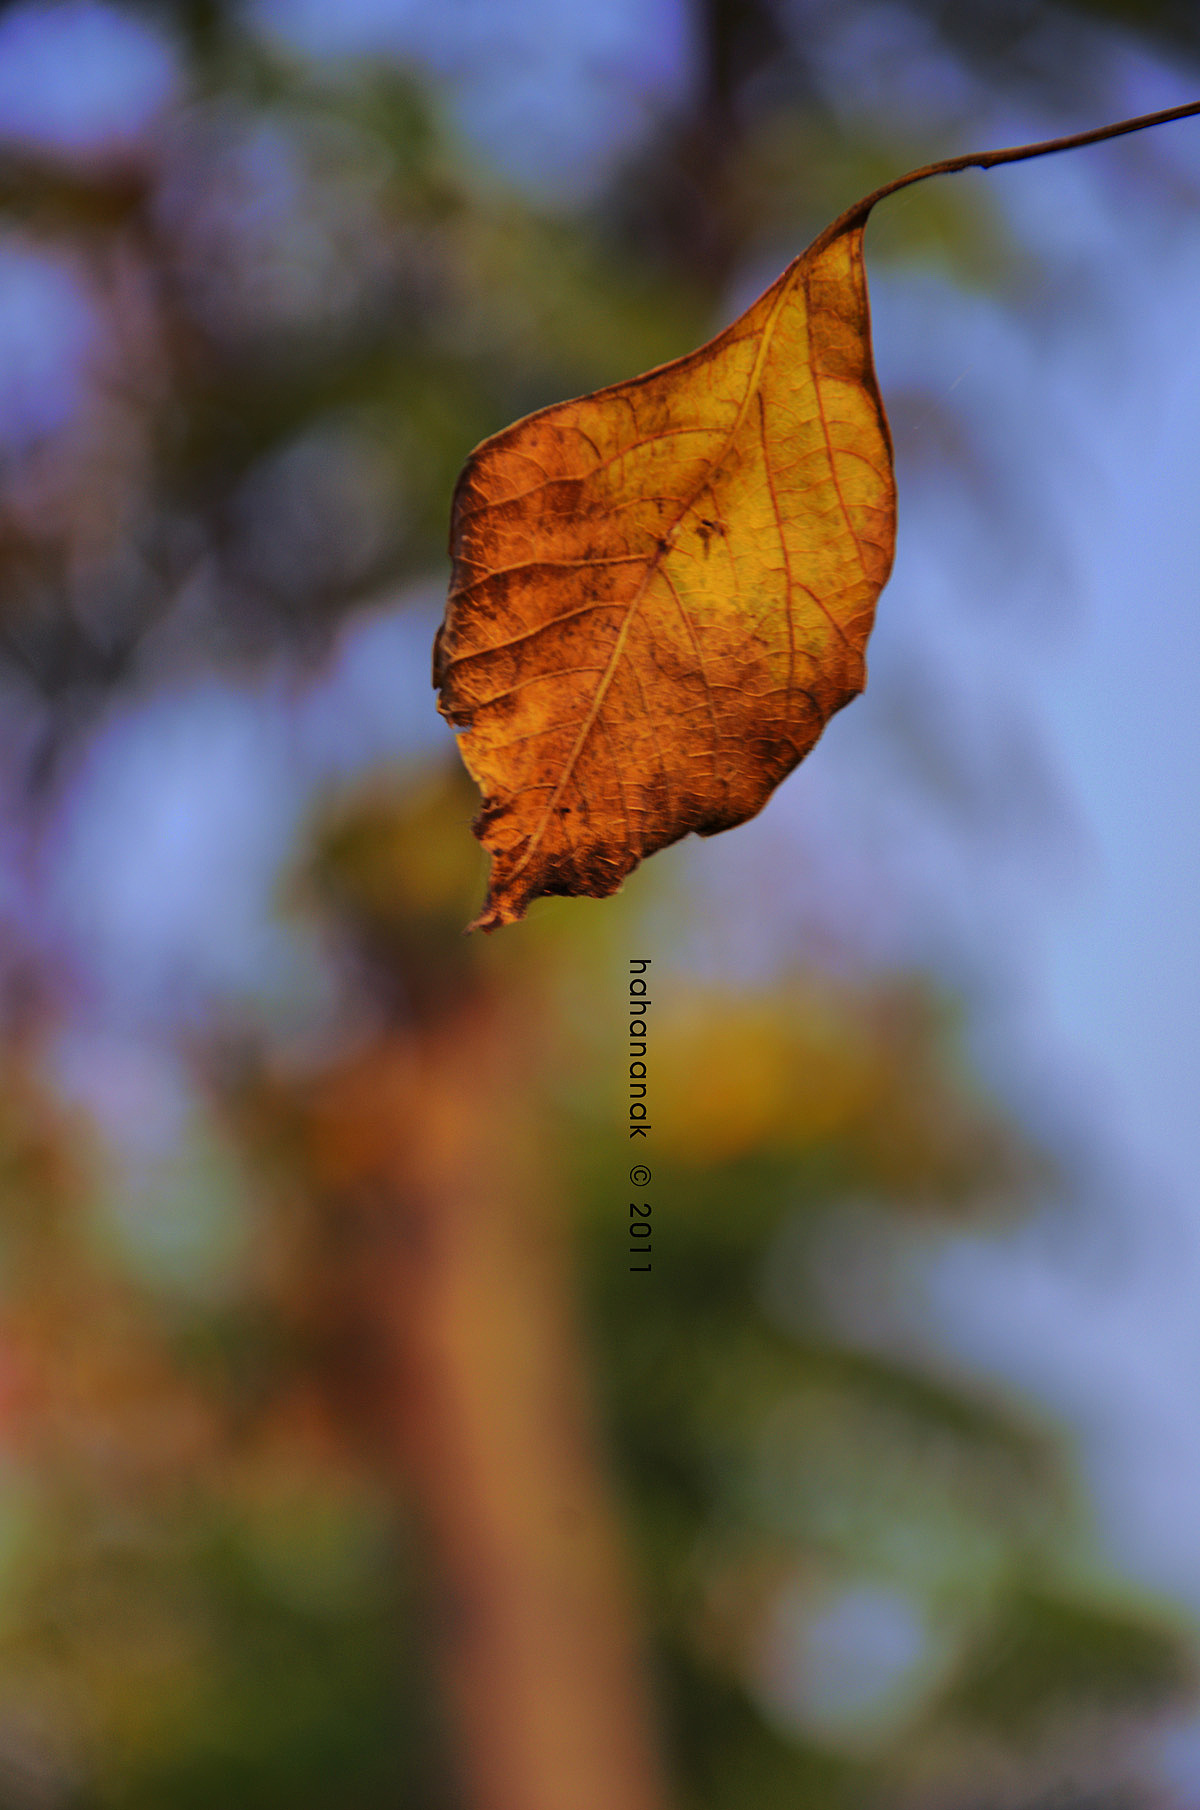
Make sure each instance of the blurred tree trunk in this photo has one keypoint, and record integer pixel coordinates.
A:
(457, 1271)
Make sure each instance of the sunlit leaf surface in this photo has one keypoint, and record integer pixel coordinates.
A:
(662, 592)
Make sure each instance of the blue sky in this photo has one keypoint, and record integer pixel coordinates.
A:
(81, 78)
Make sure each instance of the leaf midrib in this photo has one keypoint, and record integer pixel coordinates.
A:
(656, 560)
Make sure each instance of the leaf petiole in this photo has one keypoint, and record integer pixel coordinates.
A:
(986, 160)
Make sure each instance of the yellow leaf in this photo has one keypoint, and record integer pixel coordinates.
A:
(662, 592)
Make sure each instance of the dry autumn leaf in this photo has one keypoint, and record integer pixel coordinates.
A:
(661, 592)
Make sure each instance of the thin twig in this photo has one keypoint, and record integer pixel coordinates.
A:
(986, 160)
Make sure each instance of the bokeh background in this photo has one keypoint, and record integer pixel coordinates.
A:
(343, 1460)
